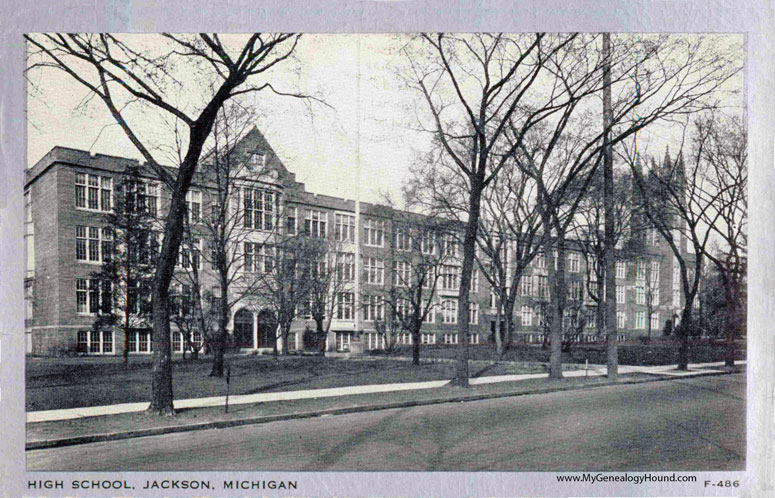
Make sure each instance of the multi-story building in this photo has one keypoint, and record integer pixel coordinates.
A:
(68, 193)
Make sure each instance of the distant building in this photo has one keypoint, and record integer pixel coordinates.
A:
(68, 192)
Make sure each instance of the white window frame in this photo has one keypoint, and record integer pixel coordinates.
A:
(374, 233)
(344, 227)
(100, 186)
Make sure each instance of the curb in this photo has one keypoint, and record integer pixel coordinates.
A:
(223, 424)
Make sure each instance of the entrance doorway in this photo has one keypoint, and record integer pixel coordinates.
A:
(267, 330)
(243, 329)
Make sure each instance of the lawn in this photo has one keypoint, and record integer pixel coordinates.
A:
(658, 352)
(54, 383)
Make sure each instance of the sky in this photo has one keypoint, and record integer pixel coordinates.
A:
(369, 117)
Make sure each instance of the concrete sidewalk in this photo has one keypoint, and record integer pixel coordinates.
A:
(593, 371)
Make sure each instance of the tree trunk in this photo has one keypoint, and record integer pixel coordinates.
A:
(498, 336)
(416, 344)
(730, 325)
(683, 334)
(612, 357)
(508, 312)
(469, 246)
(222, 336)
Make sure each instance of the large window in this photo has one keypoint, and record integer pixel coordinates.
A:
(93, 244)
(95, 342)
(640, 320)
(450, 277)
(374, 232)
(640, 295)
(345, 266)
(401, 273)
(640, 273)
(526, 285)
(258, 206)
(344, 227)
(621, 269)
(654, 272)
(257, 258)
(93, 192)
(373, 308)
(449, 311)
(373, 271)
(575, 290)
(92, 296)
(655, 321)
(315, 223)
(194, 206)
(427, 242)
(574, 262)
(540, 260)
(620, 299)
(402, 240)
(291, 221)
(140, 341)
(189, 253)
(543, 286)
(526, 315)
(473, 313)
(344, 306)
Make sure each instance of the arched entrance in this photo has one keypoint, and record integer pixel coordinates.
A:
(243, 329)
(267, 329)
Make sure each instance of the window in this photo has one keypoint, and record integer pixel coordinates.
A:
(493, 300)
(543, 286)
(473, 313)
(345, 266)
(91, 296)
(344, 227)
(676, 298)
(93, 192)
(193, 206)
(621, 269)
(189, 253)
(373, 271)
(573, 262)
(655, 321)
(290, 222)
(344, 306)
(526, 287)
(473, 338)
(315, 223)
(449, 277)
(257, 258)
(401, 273)
(427, 244)
(652, 236)
(95, 342)
(556, 257)
(575, 290)
(449, 246)
(640, 273)
(450, 339)
(540, 260)
(373, 308)
(640, 295)
(93, 244)
(449, 311)
(526, 315)
(373, 341)
(474, 287)
(258, 208)
(621, 319)
(640, 320)
(427, 338)
(654, 295)
(402, 240)
(404, 338)
(620, 299)
(374, 233)
(654, 272)
(591, 320)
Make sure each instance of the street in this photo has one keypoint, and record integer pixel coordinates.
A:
(681, 424)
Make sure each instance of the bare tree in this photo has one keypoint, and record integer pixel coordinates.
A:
(129, 250)
(474, 86)
(694, 202)
(130, 79)
(423, 253)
